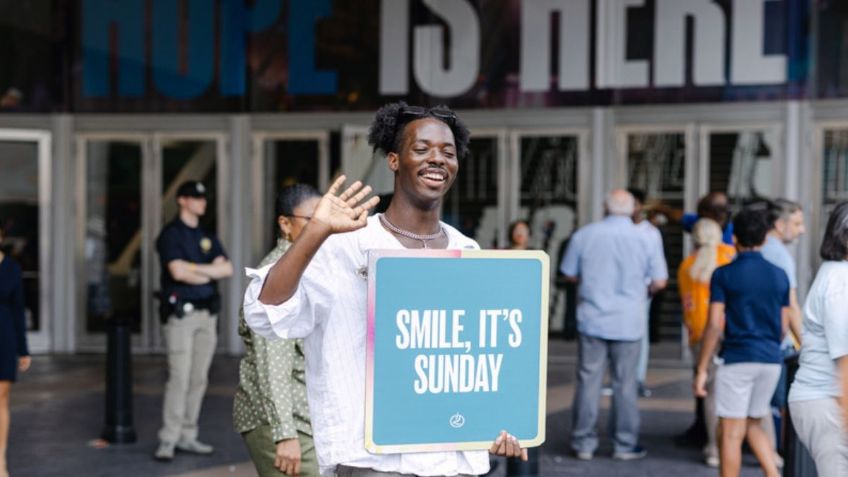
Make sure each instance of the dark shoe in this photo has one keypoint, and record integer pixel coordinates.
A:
(195, 447)
(644, 391)
(630, 454)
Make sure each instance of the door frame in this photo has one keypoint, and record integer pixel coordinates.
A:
(40, 341)
(259, 221)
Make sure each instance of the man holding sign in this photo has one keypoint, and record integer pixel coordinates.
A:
(318, 289)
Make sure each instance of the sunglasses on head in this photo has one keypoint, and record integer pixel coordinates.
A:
(417, 112)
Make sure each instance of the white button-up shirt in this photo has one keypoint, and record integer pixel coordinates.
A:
(328, 310)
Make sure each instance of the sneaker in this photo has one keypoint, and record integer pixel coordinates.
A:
(630, 454)
(583, 455)
(644, 391)
(606, 391)
(195, 447)
(165, 452)
(711, 461)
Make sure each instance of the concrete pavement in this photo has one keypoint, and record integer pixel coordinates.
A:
(57, 411)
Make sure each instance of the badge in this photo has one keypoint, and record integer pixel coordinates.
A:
(205, 244)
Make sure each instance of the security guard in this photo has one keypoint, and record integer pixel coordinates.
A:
(192, 260)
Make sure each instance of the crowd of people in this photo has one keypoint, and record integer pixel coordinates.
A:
(299, 405)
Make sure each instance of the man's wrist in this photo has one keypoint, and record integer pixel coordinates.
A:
(318, 229)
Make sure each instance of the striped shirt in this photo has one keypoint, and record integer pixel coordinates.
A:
(328, 310)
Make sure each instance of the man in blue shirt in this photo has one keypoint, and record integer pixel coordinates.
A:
(613, 262)
(788, 225)
(192, 261)
(748, 300)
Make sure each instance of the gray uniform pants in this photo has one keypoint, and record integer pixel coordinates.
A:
(191, 344)
(592, 362)
(819, 425)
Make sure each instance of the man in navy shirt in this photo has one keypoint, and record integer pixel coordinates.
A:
(748, 300)
(192, 260)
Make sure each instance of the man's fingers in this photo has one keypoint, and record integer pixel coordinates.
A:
(497, 444)
(350, 191)
(510, 447)
(359, 196)
(297, 468)
(278, 464)
(337, 184)
(524, 455)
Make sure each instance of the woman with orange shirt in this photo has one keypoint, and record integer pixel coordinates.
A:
(693, 279)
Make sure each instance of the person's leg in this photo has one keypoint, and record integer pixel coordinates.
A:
(730, 447)
(623, 356)
(5, 387)
(764, 381)
(644, 351)
(591, 363)
(758, 440)
(203, 349)
(308, 458)
(733, 389)
(710, 418)
(260, 446)
(178, 341)
(819, 425)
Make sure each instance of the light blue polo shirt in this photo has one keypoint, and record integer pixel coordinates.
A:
(613, 260)
(776, 252)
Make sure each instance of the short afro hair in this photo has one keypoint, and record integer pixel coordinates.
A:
(386, 131)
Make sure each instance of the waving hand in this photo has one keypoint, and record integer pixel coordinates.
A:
(346, 211)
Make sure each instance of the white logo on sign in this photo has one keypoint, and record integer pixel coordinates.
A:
(457, 421)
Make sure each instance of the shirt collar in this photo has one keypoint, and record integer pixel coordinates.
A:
(749, 254)
(618, 218)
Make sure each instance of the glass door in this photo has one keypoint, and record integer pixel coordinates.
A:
(110, 239)
(743, 162)
(25, 216)
(190, 157)
(126, 192)
(282, 159)
(656, 161)
(545, 188)
(476, 204)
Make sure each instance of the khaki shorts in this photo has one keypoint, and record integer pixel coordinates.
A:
(745, 389)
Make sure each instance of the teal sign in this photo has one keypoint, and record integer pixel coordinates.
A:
(457, 349)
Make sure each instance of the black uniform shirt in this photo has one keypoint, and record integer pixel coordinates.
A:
(178, 241)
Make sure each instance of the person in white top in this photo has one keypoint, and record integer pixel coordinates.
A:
(817, 398)
(317, 290)
(654, 238)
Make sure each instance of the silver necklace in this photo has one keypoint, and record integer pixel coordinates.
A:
(405, 233)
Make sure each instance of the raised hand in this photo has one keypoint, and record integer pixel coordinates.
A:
(344, 212)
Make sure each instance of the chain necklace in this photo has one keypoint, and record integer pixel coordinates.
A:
(405, 233)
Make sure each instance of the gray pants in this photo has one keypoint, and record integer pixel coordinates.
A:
(191, 344)
(820, 428)
(592, 363)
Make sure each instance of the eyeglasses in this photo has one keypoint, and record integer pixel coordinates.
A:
(304, 217)
(417, 112)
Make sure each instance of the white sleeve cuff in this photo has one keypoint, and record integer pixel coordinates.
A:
(269, 321)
